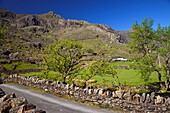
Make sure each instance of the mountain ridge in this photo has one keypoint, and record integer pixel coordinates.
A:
(35, 31)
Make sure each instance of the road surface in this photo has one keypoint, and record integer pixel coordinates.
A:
(50, 103)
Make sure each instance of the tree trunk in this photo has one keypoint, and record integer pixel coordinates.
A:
(159, 78)
(167, 83)
(64, 80)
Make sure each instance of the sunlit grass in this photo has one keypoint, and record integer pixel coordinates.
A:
(21, 66)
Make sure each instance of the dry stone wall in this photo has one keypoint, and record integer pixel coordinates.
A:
(128, 101)
(9, 103)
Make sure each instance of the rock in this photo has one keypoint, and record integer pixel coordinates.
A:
(148, 99)
(5, 106)
(100, 92)
(159, 100)
(108, 94)
(67, 86)
(30, 20)
(95, 91)
(152, 97)
(10, 104)
(143, 97)
(15, 102)
(136, 98)
(127, 96)
(29, 106)
(167, 101)
(14, 110)
(114, 95)
(120, 93)
(2, 93)
(90, 91)
(54, 83)
(6, 97)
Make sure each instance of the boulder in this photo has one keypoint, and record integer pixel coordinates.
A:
(15, 102)
(5, 106)
(6, 97)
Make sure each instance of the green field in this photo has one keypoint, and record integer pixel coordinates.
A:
(127, 77)
(20, 66)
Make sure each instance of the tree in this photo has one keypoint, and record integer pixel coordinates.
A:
(153, 48)
(102, 69)
(163, 50)
(64, 57)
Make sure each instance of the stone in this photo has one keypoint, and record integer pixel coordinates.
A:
(90, 91)
(100, 92)
(72, 86)
(108, 94)
(103, 95)
(143, 97)
(152, 97)
(15, 102)
(159, 100)
(127, 96)
(5, 97)
(95, 91)
(148, 99)
(14, 110)
(120, 93)
(76, 88)
(29, 106)
(167, 101)
(5, 106)
(54, 83)
(114, 95)
(2, 93)
(136, 98)
(67, 86)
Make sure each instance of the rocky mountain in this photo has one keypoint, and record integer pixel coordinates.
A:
(26, 32)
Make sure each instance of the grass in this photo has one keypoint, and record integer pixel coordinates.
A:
(122, 63)
(21, 66)
(126, 78)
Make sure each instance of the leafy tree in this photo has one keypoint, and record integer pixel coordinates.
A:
(65, 58)
(163, 50)
(103, 69)
(153, 48)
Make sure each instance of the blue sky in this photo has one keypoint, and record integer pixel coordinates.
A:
(118, 14)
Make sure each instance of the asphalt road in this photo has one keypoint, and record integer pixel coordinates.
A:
(50, 103)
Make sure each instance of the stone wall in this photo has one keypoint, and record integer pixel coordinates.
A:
(9, 103)
(128, 101)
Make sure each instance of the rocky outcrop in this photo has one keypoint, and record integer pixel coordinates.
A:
(128, 101)
(9, 103)
(30, 20)
(6, 14)
(124, 36)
